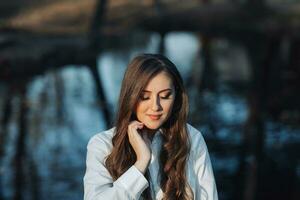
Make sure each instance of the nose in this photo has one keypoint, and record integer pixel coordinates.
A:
(155, 104)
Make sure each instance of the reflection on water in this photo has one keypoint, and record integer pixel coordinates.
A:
(63, 115)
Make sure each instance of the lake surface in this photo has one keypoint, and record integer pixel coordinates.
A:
(64, 114)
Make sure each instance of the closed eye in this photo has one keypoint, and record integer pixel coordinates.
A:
(166, 96)
(144, 98)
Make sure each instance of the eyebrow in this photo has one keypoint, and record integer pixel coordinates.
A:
(168, 89)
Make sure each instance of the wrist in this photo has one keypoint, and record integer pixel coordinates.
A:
(141, 165)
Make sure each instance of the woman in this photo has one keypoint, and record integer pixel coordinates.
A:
(151, 153)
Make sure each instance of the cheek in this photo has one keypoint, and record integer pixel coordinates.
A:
(140, 108)
(168, 106)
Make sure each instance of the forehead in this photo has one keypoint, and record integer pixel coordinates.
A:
(160, 82)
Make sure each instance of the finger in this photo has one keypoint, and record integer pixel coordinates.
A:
(134, 130)
(135, 126)
(136, 122)
(133, 133)
(140, 126)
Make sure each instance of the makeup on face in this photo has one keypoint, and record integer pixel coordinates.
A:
(156, 101)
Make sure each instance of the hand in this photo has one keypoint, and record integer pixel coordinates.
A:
(140, 144)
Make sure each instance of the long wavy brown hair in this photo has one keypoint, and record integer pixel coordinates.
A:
(175, 146)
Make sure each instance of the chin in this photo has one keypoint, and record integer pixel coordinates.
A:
(153, 125)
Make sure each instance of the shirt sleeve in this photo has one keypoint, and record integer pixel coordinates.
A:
(204, 171)
(99, 185)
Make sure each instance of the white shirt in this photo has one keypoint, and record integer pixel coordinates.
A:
(99, 185)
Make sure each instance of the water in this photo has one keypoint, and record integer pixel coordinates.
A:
(63, 115)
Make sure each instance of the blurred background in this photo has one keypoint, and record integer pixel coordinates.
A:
(61, 66)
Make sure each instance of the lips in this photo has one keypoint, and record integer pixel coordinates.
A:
(154, 117)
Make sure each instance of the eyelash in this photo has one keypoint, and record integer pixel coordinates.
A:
(146, 98)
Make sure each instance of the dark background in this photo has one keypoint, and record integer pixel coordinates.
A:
(61, 65)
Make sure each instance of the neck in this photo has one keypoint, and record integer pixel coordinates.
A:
(151, 133)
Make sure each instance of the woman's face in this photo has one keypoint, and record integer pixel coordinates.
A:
(156, 101)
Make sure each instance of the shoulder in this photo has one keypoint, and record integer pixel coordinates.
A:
(194, 134)
(101, 141)
(196, 139)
